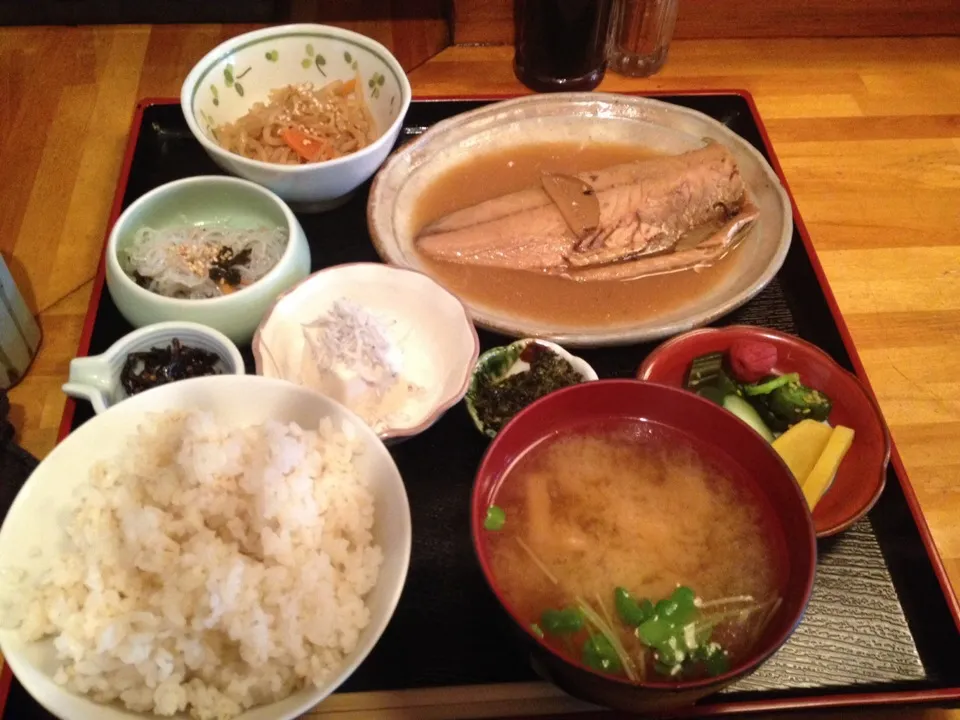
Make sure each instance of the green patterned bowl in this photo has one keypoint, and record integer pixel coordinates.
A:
(243, 70)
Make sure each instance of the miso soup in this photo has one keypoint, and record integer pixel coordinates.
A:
(631, 553)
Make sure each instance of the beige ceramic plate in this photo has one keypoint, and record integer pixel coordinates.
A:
(582, 117)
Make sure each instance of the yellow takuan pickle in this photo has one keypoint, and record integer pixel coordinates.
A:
(816, 482)
(802, 445)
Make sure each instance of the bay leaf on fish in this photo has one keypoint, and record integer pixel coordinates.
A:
(575, 199)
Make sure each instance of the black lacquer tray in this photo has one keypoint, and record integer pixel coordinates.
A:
(882, 626)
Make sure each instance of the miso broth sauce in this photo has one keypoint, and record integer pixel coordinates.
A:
(544, 297)
(633, 505)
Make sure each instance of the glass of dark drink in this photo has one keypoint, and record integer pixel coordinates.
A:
(560, 44)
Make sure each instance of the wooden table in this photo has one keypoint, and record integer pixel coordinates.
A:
(867, 131)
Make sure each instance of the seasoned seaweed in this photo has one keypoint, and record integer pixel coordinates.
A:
(162, 365)
(497, 401)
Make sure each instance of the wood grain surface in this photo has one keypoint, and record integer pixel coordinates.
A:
(491, 21)
(414, 30)
(867, 130)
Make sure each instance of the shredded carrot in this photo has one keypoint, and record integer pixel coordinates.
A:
(347, 87)
(308, 147)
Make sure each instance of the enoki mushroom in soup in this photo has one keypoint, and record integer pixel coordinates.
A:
(627, 551)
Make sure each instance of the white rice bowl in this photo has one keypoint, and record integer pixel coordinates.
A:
(209, 561)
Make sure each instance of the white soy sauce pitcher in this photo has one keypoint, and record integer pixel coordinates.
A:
(97, 378)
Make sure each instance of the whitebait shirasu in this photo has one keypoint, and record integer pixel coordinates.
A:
(359, 365)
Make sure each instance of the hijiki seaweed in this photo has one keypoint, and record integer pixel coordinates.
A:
(161, 365)
(225, 270)
(497, 400)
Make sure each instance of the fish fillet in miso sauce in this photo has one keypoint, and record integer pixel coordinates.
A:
(664, 229)
(616, 525)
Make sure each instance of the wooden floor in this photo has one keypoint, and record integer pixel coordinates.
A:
(868, 132)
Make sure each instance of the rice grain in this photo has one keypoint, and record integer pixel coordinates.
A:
(211, 568)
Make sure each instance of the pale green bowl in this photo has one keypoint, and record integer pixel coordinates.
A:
(199, 201)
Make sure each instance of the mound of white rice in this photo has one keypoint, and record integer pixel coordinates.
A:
(213, 568)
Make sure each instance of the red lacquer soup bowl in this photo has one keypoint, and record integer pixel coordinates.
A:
(860, 479)
(723, 442)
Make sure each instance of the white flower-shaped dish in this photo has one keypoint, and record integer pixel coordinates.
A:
(429, 327)
(97, 378)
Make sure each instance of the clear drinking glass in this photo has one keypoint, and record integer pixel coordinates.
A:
(640, 35)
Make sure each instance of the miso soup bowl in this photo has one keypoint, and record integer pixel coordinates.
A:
(725, 442)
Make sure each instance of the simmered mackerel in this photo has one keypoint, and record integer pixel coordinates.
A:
(654, 216)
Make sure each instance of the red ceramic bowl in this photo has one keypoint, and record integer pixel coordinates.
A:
(713, 431)
(862, 474)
